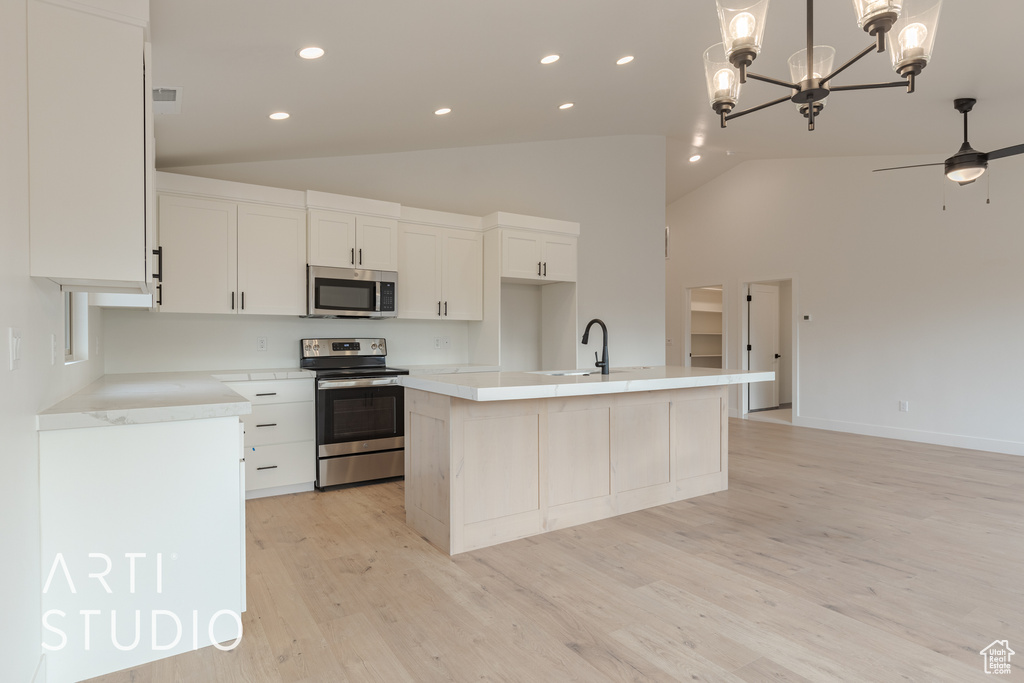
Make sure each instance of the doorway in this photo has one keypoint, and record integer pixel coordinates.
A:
(705, 339)
(768, 346)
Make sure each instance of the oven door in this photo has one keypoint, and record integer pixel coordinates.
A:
(360, 430)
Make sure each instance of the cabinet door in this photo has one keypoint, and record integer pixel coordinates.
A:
(462, 273)
(86, 141)
(559, 258)
(332, 239)
(419, 271)
(376, 243)
(199, 238)
(271, 260)
(520, 255)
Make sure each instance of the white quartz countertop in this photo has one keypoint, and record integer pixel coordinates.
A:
(505, 386)
(156, 397)
(443, 369)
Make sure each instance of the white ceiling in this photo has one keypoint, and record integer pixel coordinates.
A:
(391, 63)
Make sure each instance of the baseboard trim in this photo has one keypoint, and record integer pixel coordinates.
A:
(279, 490)
(920, 436)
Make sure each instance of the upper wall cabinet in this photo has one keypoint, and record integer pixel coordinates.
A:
(345, 240)
(231, 257)
(440, 273)
(88, 109)
(538, 256)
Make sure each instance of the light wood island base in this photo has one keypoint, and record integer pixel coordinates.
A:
(479, 473)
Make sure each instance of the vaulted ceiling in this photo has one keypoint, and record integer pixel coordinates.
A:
(391, 63)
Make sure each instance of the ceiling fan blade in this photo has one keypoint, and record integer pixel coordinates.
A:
(1006, 152)
(897, 168)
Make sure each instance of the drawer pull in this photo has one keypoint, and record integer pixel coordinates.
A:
(268, 467)
(271, 424)
(272, 393)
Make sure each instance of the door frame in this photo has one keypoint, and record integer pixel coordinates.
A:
(726, 307)
(740, 349)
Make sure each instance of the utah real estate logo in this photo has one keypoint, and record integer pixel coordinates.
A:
(997, 657)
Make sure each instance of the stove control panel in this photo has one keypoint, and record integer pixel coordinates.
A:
(320, 348)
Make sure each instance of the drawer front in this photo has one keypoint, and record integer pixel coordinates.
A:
(280, 465)
(279, 423)
(275, 390)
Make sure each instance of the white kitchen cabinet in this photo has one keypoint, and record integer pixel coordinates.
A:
(346, 240)
(87, 140)
(280, 436)
(230, 257)
(538, 256)
(157, 511)
(441, 273)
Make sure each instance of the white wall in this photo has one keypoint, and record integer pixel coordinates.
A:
(909, 302)
(35, 307)
(614, 187)
(520, 327)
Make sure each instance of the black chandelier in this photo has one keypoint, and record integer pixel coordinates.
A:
(909, 24)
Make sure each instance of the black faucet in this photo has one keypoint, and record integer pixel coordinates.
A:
(603, 363)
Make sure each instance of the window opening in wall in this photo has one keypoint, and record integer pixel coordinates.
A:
(69, 327)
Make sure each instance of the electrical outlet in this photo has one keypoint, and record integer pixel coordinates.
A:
(904, 406)
(437, 342)
(446, 342)
(261, 343)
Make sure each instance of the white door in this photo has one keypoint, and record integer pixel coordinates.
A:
(376, 243)
(559, 259)
(332, 239)
(463, 275)
(521, 255)
(763, 344)
(419, 282)
(198, 237)
(271, 260)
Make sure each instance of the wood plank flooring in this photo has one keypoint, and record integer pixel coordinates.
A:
(832, 557)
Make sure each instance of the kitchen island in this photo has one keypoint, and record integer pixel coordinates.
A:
(493, 457)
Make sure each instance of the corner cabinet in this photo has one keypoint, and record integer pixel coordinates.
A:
(538, 256)
(441, 273)
(89, 147)
(231, 257)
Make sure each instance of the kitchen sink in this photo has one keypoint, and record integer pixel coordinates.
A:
(562, 373)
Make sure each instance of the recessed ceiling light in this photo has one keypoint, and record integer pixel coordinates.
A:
(567, 105)
(311, 52)
(625, 60)
(442, 111)
(695, 157)
(280, 115)
(550, 59)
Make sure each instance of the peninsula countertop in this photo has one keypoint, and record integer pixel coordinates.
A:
(140, 398)
(506, 386)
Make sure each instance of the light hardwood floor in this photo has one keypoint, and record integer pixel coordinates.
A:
(832, 557)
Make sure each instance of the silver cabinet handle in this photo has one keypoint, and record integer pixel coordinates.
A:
(348, 383)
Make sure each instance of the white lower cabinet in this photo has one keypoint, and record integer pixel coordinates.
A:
(280, 435)
(142, 541)
(440, 273)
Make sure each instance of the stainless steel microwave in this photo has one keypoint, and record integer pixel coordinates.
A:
(351, 293)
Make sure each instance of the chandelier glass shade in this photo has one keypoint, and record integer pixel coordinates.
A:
(907, 27)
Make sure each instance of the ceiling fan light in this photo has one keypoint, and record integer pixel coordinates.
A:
(966, 174)
(723, 79)
(742, 24)
(912, 37)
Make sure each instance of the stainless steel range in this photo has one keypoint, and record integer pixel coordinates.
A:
(360, 421)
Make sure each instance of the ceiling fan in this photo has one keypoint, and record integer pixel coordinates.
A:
(968, 164)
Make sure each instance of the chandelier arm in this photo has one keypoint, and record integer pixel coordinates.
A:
(850, 63)
(757, 108)
(869, 86)
(773, 81)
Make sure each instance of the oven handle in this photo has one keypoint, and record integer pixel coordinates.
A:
(324, 384)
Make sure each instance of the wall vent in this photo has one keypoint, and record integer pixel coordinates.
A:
(166, 100)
